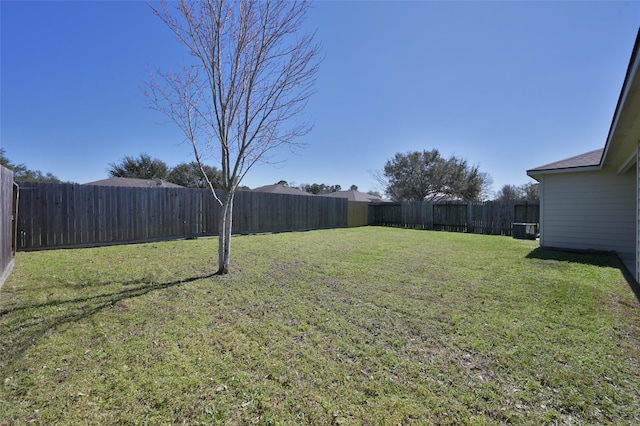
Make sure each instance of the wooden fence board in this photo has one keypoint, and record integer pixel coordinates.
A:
(6, 222)
(358, 213)
(490, 217)
(67, 215)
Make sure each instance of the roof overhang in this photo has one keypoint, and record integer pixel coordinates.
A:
(535, 174)
(624, 134)
(588, 161)
(627, 165)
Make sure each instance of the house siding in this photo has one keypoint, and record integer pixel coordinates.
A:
(590, 211)
(637, 233)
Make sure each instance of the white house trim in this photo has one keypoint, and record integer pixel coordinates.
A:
(631, 161)
(626, 89)
(534, 173)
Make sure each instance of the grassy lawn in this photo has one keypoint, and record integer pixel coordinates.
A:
(349, 326)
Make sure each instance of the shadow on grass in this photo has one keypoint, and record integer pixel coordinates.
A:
(595, 258)
(22, 326)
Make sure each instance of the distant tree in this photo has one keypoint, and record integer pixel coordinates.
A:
(509, 193)
(320, 188)
(191, 175)
(527, 192)
(313, 188)
(353, 188)
(375, 193)
(36, 176)
(487, 187)
(282, 182)
(18, 169)
(465, 181)
(143, 167)
(531, 191)
(428, 176)
(4, 161)
(21, 173)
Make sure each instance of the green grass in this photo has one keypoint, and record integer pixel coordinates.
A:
(349, 326)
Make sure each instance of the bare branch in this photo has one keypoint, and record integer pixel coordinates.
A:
(252, 76)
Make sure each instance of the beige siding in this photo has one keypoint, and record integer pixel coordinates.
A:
(637, 263)
(358, 214)
(590, 210)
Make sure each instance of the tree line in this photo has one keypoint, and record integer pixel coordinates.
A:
(190, 175)
(412, 176)
(321, 188)
(22, 173)
(527, 192)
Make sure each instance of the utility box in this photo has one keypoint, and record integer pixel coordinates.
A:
(524, 231)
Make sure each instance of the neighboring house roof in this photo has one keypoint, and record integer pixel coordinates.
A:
(588, 159)
(354, 196)
(134, 183)
(619, 152)
(280, 189)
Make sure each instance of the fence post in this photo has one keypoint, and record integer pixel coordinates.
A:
(7, 220)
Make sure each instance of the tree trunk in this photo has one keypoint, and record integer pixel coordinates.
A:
(224, 241)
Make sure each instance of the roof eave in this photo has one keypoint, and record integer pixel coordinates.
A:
(632, 70)
(535, 173)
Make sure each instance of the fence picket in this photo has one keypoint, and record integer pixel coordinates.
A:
(6, 223)
(489, 217)
(66, 215)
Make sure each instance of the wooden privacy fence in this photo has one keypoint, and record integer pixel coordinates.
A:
(68, 215)
(7, 213)
(358, 214)
(489, 217)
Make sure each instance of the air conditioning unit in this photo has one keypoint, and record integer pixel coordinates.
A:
(524, 231)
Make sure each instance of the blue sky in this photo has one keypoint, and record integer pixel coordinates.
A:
(506, 85)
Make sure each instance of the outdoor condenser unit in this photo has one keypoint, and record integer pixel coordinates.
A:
(524, 231)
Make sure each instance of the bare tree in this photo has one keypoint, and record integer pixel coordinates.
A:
(252, 75)
(531, 191)
(510, 193)
(486, 193)
(527, 192)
